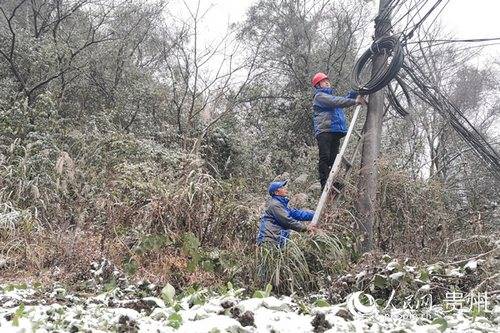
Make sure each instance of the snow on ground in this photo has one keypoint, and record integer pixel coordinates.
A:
(26, 309)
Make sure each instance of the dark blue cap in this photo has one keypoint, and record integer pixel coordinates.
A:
(274, 186)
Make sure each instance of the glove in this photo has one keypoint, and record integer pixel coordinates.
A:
(352, 94)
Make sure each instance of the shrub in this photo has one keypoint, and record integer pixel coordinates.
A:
(306, 263)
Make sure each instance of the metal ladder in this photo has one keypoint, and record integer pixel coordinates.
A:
(340, 160)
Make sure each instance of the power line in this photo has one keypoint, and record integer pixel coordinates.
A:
(419, 23)
(429, 94)
(419, 5)
(432, 95)
(402, 17)
(388, 8)
(417, 12)
(445, 41)
(457, 49)
(435, 18)
(478, 46)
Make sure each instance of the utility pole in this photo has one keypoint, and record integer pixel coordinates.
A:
(368, 174)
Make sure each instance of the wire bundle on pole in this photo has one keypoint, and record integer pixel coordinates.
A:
(430, 94)
(390, 46)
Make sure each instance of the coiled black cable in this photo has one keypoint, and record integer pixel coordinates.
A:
(390, 46)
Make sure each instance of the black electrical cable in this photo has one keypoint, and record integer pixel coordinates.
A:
(408, 12)
(436, 99)
(390, 46)
(446, 41)
(412, 15)
(393, 98)
(387, 10)
(426, 32)
(419, 23)
(394, 102)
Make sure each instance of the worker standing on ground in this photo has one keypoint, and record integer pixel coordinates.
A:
(278, 218)
(330, 124)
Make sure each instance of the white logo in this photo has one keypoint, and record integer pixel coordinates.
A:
(357, 308)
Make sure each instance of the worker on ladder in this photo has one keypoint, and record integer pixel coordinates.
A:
(330, 123)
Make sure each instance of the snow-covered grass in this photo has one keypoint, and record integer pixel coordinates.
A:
(30, 309)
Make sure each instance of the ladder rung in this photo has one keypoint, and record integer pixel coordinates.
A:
(335, 189)
(346, 162)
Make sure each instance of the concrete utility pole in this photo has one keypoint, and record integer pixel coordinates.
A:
(367, 183)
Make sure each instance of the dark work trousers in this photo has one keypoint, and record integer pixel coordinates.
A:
(328, 144)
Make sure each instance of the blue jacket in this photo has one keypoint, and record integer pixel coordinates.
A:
(278, 219)
(328, 115)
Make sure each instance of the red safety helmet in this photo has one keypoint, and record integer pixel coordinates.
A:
(317, 78)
